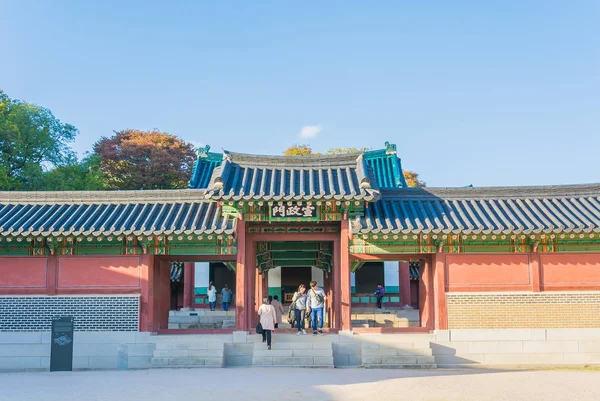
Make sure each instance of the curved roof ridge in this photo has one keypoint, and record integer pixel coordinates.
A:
(289, 161)
(151, 195)
(495, 192)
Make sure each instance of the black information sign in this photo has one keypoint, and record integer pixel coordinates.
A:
(61, 349)
(294, 212)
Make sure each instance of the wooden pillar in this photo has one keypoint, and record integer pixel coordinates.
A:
(426, 294)
(51, 274)
(404, 273)
(439, 284)
(327, 286)
(536, 274)
(188, 284)
(147, 298)
(162, 294)
(345, 281)
(240, 278)
(251, 296)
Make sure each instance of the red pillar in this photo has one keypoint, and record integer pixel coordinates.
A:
(426, 294)
(536, 281)
(51, 274)
(240, 278)
(162, 294)
(404, 273)
(439, 281)
(188, 284)
(345, 281)
(147, 297)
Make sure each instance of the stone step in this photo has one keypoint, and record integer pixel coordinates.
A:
(293, 345)
(401, 366)
(187, 362)
(182, 353)
(294, 338)
(299, 362)
(398, 360)
(397, 351)
(196, 345)
(293, 352)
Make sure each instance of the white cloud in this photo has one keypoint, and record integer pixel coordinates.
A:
(310, 131)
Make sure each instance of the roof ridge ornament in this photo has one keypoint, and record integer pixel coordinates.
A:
(390, 148)
(202, 152)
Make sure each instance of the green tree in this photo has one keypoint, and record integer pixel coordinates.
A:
(412, 178)
(84, 175)
(32, 140)
(133, 159)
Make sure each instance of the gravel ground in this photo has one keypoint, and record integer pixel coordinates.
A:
(294, 384)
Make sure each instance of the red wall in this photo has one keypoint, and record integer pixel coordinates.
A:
(18, 272)
(99, 272)
(488, 272)
(570, 271)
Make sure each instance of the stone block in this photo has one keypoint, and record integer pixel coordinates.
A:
(238, 360)
(583, 358)
(20, 338)
(171, 353)
(425, 359)
(38, 350)
(11, 363)
(140, 350)
(321, 345)
(294, 361)
(214, 345)
(273, 352)
(573, 334)
(348, 348)
(142, 338)
(216, 362)
(367, 360)
(468, 359)
(159, 362)
(241, 349)
(88, 349)
(492, 334)
(590, 346)
(262, 361)
(523, 359)
(81, 362)
(286, 345)
(139, 362)
(173, 326)
(354, 360)
(100, 362)
(341, 360)
(442, 335)
(323, 360)
(346, 336)
(550, 346)
(494, 347)
(206, 353)
(449, 348)
(379, 351)
(104, 337)
(312, 352)
(186, 361)
(240, 336)
(399, 360)
(190, 345)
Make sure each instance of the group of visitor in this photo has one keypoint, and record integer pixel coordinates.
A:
(304, 303)
(226, 294)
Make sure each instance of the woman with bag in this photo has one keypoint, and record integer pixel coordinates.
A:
(299, 305)
(212, 296)
(267, 321)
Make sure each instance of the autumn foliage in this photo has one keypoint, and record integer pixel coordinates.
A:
(412, 178)
(133, 159)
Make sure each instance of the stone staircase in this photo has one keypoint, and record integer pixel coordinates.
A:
(402, 351)
(290, 350)
(188, 351)
(372, 317)
(201, 319)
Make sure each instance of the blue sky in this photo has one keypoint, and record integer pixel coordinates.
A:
(472, 92)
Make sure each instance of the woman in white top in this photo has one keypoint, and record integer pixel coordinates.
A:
(212, 296)
(268, 319)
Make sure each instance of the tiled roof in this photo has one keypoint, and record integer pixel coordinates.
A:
(386, 166)
(245, 177)
(204, 166)
(104, 213)
(572, 208)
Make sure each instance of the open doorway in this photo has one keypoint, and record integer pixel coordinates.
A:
(291, 278)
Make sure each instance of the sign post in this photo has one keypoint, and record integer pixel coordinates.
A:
(61, 348)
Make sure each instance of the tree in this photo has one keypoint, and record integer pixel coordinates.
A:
(133, 159)
(412, 178)
(79, 176)
(32, 140)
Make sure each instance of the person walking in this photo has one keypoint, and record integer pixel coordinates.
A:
(379, 293)
(299, 306)
(278, 310)
(316, 304)
(267, 321)
(212, 296)
(226, 297)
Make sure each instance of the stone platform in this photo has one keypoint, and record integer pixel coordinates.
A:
(396, 317)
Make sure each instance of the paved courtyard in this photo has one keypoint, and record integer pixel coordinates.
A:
(295, 384)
